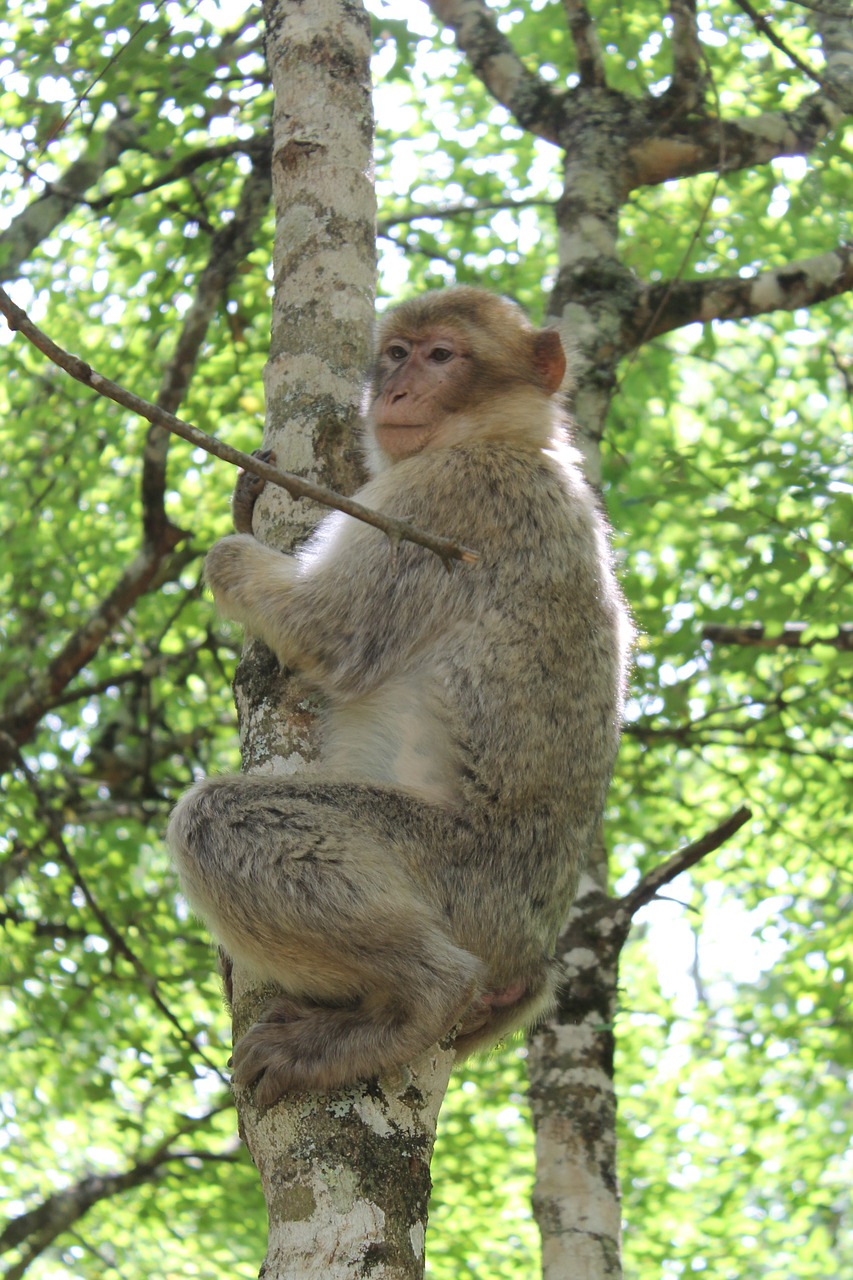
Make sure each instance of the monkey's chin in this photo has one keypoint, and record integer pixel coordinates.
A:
(402, 442)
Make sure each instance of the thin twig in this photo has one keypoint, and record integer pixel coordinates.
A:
(685, 858)
(396, 530)
(766, 30)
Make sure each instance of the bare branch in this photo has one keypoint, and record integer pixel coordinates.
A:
(296, 486)
(683, 860)
(228, 249)
(53, 824)
(24, 709)
(683, 149)
(673, 304)
(790, 637)
(35, 1230)
(688, 74)
(45, 213)
(762, 25)
(587, 44)
(182, 168)
(455, 210)
(536, 105)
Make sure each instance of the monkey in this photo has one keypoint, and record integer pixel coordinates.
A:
(415, 881)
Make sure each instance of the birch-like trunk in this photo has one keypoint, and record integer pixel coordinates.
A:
(572, 1093)
(345, 1176)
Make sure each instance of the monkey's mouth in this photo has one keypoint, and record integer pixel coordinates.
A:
(399, 439)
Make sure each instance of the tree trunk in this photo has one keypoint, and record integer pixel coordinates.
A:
(345, 1176)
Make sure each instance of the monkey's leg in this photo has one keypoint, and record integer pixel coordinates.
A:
(307, 884)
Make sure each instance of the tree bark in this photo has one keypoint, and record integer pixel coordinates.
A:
(345, 1175)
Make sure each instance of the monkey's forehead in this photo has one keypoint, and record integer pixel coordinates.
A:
(462, 307)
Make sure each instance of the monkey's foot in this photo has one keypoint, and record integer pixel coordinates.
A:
(294, 1048)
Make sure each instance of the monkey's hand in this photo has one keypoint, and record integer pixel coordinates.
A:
(247, 490)
(253, 584)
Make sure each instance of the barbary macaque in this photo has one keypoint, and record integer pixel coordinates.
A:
(416, 881)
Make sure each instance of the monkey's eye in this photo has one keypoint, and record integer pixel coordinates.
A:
(441, 355)
(397, 351)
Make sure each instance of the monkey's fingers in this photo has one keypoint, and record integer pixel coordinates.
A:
(247, 490)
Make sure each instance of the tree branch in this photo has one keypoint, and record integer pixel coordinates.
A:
(228, 249)
(395, 530)
(762, 25)
(454, 210)
(682, 149)
(536, 105)
(790, 637)
(53, 824)
(683, 860)
(35, 1230)
(45, 213)
(688, 73)
(672, 304)
(587, 45)
(833, 26)
(183, 168)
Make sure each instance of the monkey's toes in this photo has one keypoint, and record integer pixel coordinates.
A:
(264, 1057)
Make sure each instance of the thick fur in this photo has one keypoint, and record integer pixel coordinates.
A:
(419, 880)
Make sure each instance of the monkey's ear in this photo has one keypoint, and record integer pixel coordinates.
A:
(549, 359)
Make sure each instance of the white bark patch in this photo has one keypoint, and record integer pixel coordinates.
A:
(417, 1236)
(578, 961)
(329, 1244)
(504, 75)
(580, 1200)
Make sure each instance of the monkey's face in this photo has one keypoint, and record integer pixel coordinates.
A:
(419, 379)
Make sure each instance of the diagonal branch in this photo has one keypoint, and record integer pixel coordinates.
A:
(44, 214)
(536, 105)
(54, 824)
(683, 860)
(183, 168)
(35, 1230)
(228, 249)
(762, 25)
(673, 304)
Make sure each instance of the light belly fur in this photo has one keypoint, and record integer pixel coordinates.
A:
(393, 737)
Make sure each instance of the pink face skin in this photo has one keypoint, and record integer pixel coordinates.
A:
(420, 379)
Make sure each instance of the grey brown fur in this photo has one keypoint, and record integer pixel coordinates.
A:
(419, 879)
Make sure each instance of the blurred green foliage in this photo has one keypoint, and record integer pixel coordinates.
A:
(728, 483)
